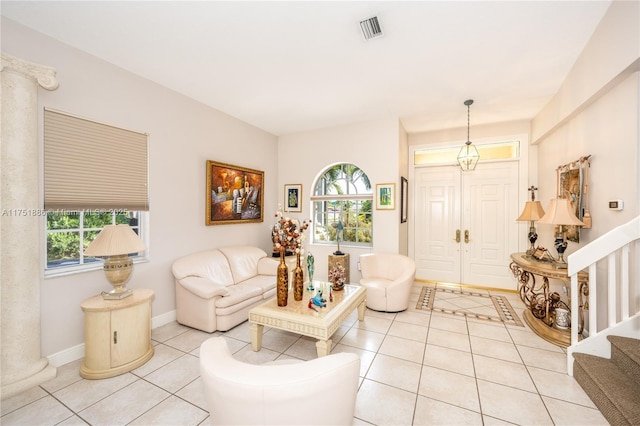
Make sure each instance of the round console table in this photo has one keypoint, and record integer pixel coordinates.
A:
(541, 304)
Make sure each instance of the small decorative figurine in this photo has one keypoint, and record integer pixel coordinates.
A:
(318, 300)
(339, 235)
(311, 306)
(310, 270)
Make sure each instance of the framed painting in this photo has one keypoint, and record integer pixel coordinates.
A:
(292, 198)
(404, 199)
(234, 194)
(385, 196)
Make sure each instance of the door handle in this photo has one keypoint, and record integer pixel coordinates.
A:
(466, 236)
(457, 239)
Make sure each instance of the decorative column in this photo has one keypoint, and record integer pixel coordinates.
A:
(23, 366)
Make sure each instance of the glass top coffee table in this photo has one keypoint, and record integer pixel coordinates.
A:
(298, 318)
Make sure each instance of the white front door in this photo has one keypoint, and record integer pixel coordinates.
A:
(481, 207)
(437, 225)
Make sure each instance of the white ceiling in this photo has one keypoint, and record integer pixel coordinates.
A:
(287, 67)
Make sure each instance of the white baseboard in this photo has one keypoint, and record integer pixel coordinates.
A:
(77, 352)
(66, 356)
(163, 319)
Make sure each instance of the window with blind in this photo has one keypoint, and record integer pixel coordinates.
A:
(94, 175)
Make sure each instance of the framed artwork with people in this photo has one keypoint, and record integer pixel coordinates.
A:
(234, 194)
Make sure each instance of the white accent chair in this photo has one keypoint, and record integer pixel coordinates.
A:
(388, 278)
(321, 391)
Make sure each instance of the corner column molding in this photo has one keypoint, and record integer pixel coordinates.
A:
(23, 366)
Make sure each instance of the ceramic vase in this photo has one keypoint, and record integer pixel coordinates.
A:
(282, 287)
(298, 280)
(563, 319)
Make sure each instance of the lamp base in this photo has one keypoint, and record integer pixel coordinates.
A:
(116, 295)
(118, 269)
(560, 265)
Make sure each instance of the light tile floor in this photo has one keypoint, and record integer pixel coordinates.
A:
(418, 368)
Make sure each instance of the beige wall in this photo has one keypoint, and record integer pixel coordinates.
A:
(183, 135)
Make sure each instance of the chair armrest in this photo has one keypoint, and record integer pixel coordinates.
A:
(203, 287)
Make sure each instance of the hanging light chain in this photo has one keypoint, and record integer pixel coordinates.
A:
(468, 156)
(468, 103)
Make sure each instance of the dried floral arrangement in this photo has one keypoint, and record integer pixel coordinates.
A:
(337, 275)
(288, 234)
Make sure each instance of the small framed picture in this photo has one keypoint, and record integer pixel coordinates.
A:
(293, 198)
(385, 196)
(404, 199)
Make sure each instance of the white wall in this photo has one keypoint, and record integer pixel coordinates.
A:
(373, 147)
(596, 112)
(403, 149)
(183, 135)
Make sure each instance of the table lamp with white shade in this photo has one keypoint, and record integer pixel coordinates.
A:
(532, 212)
(116, 242)
(561, 214)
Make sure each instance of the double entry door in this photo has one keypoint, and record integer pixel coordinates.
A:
(465, 223)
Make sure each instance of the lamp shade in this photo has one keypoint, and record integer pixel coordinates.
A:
(115, 240)
(532, 211)
(560, 212)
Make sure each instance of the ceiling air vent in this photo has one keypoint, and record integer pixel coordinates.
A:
(371, 28)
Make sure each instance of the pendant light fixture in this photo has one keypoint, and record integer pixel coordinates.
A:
(468, 156)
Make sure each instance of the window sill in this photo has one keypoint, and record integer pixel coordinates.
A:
(87, 267)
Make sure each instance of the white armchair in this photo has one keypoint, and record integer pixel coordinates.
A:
(321, 391)
(388, 278)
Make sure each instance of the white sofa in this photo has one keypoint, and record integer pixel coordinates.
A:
(321, 391)
(388, 278)
(215, 289)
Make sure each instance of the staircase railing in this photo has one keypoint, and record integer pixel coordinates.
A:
(613, 247)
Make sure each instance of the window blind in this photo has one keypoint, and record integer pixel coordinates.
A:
(90, 165)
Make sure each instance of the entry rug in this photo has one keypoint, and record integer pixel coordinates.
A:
(504, 311)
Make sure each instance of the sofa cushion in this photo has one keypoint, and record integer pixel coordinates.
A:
(243, 261)
(263, 282)
(211, 264)
(237, 294)
(203, 287)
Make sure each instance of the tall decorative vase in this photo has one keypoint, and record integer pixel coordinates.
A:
(282, 288)
(298, 280)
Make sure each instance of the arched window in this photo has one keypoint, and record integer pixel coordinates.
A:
(342, 206)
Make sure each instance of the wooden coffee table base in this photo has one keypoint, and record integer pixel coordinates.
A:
(298, 318)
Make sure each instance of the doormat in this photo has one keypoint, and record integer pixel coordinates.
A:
(504, 312)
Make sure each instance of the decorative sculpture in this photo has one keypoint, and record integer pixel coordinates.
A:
(310, 269)
(318, 300)
(339, 235)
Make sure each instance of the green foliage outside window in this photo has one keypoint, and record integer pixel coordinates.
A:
(350, 205)
(67, 231)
